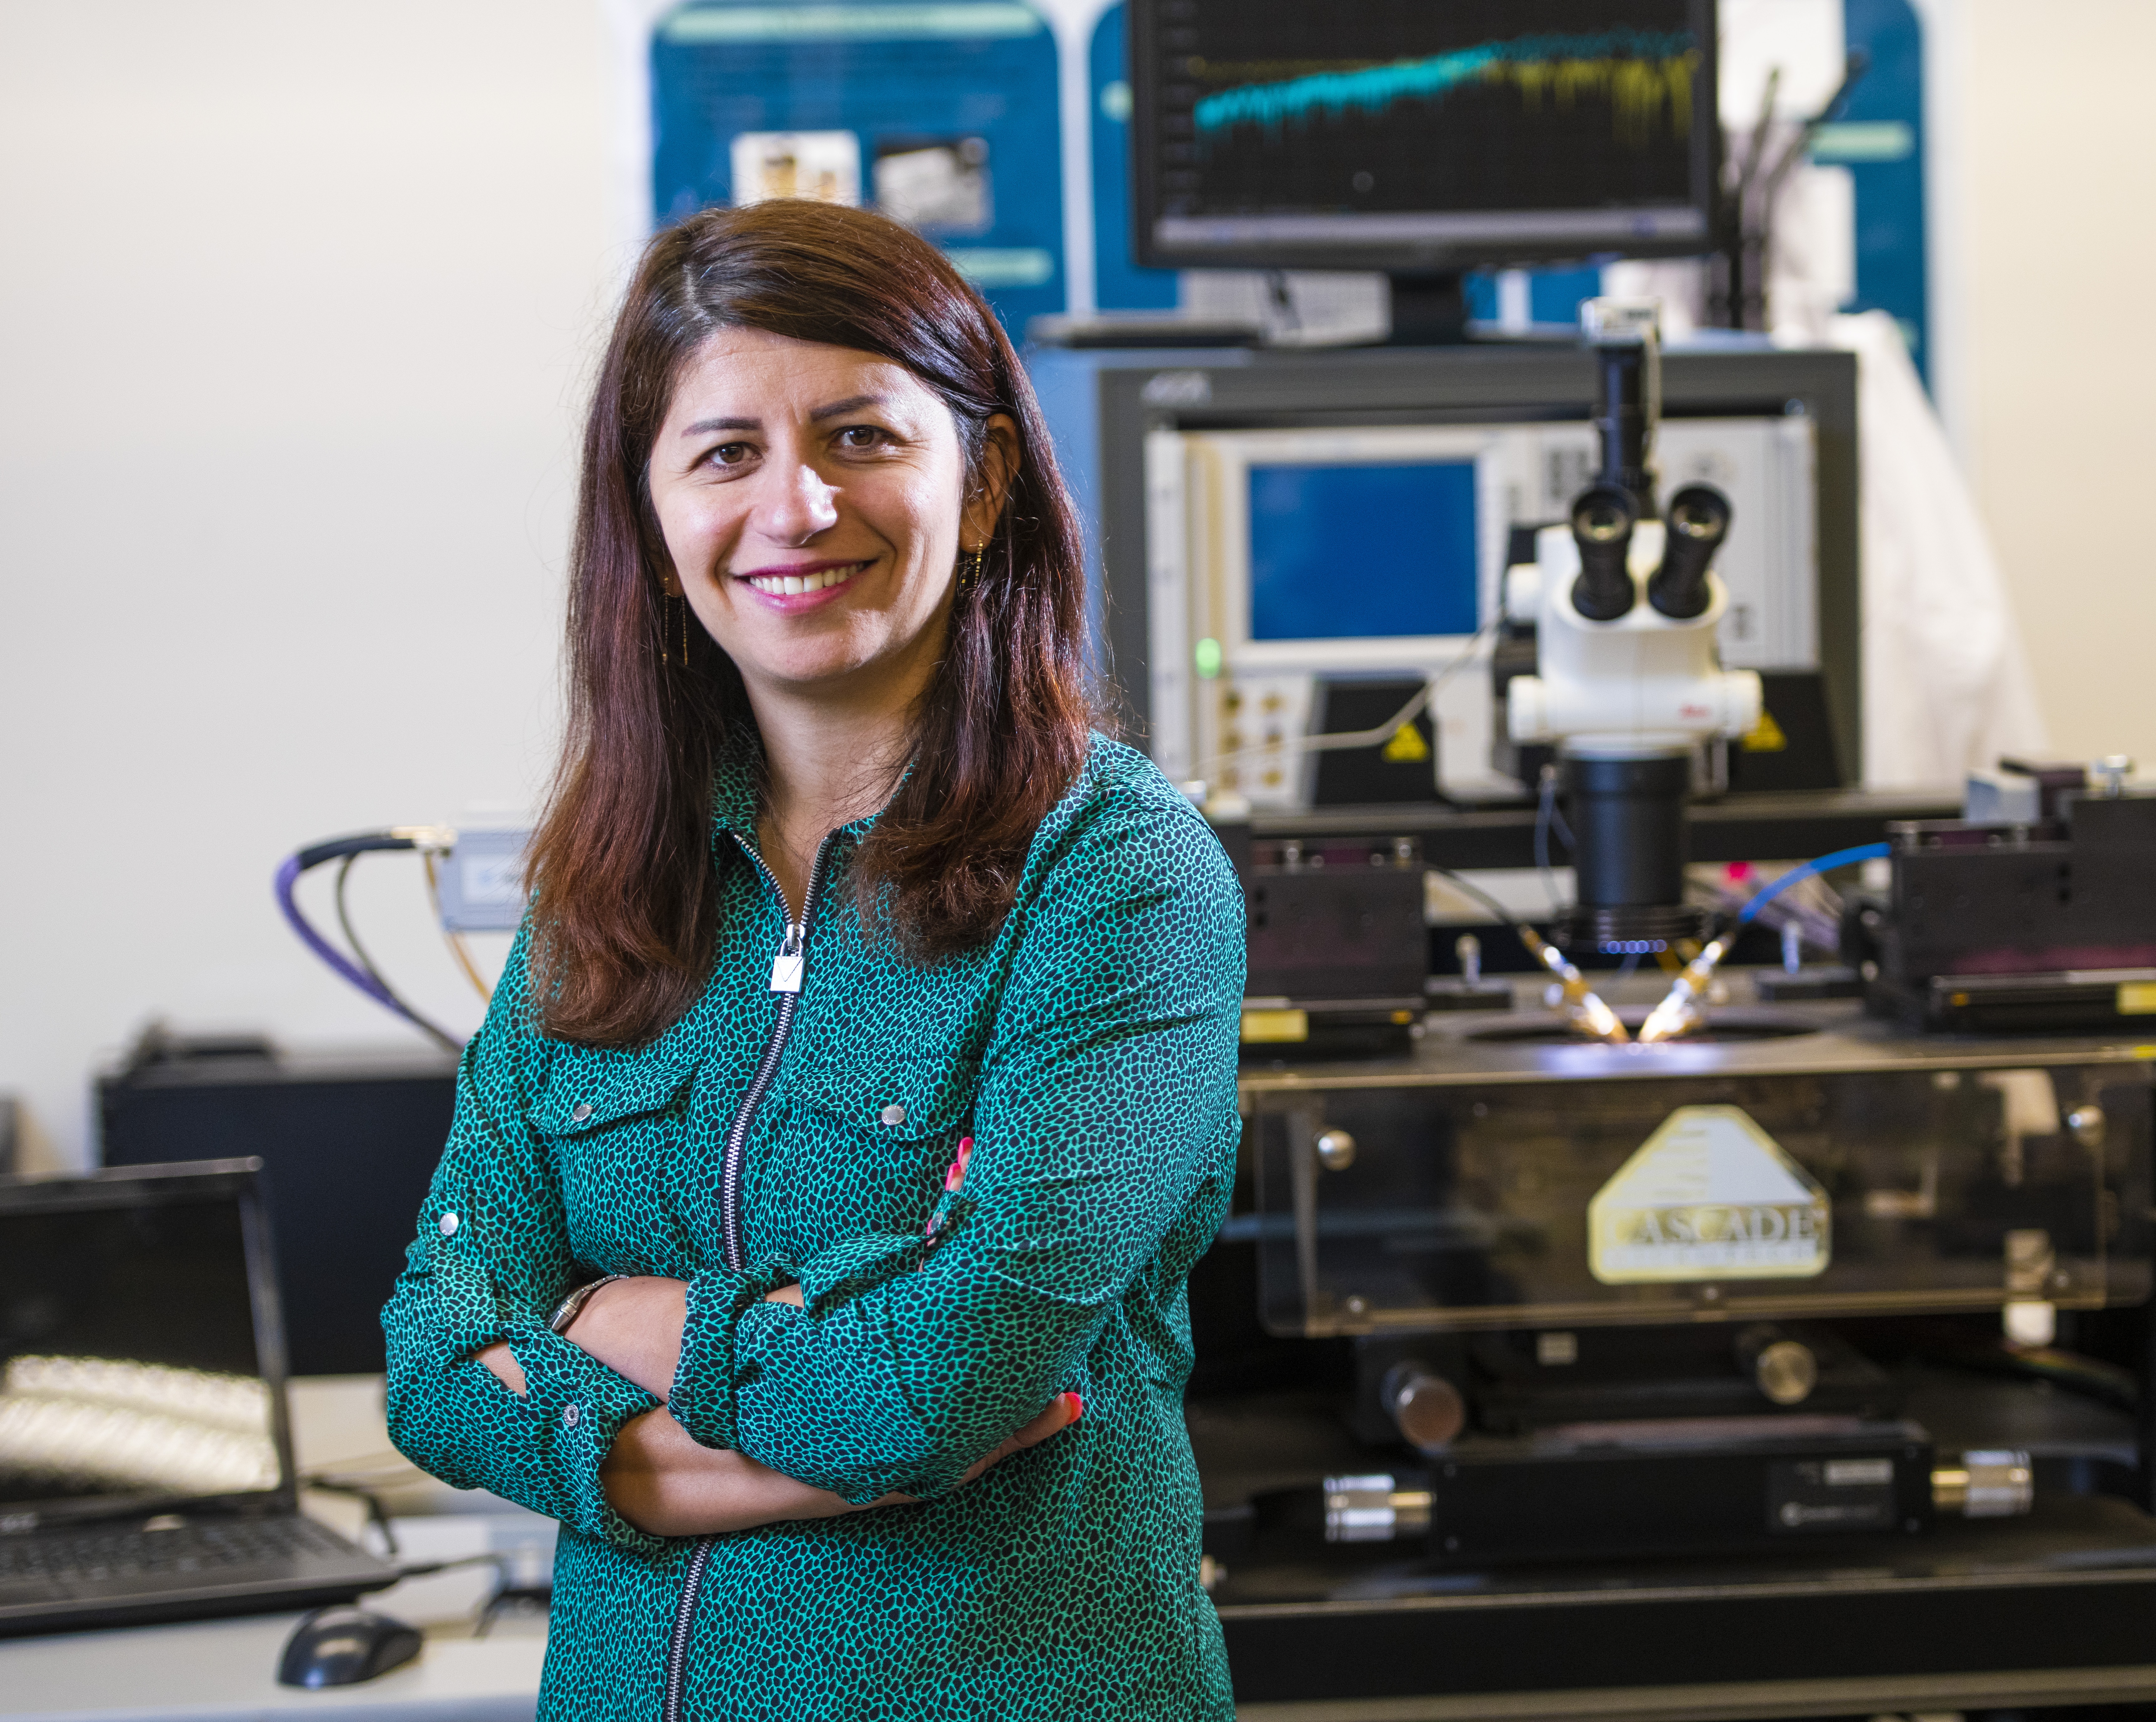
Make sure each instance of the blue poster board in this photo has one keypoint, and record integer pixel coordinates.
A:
(1880, 139)
(943, 113)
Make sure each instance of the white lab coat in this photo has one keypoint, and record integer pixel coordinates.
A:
(1946, 685)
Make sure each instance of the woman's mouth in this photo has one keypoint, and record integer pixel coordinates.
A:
(781, 583)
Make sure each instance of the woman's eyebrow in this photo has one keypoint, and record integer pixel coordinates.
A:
(852, 403)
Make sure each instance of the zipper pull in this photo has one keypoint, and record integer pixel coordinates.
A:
(786, 966)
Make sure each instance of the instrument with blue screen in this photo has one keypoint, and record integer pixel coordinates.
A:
(1281, 562)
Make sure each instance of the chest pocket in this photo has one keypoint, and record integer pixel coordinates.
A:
(584, 1098)
(889, 1128)
(894, 1126)
(612, 1126)
(902, 1099)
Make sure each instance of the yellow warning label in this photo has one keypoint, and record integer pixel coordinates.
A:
(1407, 748)
(1766, 736)
(1709, 1196)
(2136, 998)
(1262, 1026)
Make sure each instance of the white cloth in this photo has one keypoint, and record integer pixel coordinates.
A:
(1946, 685)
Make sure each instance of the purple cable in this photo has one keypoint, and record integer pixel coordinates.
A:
(288, 876)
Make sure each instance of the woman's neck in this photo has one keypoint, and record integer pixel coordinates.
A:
(828, 759)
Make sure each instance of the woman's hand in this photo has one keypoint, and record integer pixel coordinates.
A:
(633, 1326)
(663, 1483)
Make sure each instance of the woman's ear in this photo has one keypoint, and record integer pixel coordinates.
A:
(984, 505)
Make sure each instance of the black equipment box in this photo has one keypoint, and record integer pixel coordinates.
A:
(347, 1145)
(1594, 1250)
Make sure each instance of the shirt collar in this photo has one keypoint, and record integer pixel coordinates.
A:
(736, 773)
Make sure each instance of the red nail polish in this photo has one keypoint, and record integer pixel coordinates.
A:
(1077, 1407)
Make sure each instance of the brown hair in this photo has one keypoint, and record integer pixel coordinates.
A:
(623, 891)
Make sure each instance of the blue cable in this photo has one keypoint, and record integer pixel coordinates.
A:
(1825, 864)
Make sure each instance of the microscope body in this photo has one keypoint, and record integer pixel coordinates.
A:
(1642, 682)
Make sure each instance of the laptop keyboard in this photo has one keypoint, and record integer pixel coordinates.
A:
(102, 1554)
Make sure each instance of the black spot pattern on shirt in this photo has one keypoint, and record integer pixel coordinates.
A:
(1089, 1051)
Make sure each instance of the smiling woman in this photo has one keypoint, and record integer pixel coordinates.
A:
(812, 1234)
(805, 495)
(786, 357)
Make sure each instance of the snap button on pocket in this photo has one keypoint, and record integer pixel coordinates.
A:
(569, 1417)
(448, 1225)
(894, 1114)
(581, 1111)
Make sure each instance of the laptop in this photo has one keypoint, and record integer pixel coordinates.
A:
(146, 1450)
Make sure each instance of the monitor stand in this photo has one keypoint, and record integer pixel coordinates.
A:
(1429, 309)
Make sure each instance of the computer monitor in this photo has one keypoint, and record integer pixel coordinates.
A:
(141, 1361)
(1421, 137)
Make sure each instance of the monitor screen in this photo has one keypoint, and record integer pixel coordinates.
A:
(1421, 135)
(129, 1370)
(1363, 551)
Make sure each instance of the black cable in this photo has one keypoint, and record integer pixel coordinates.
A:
(427, 1569)
(433, 1031)
(1283, 299)
(378, 1516)
(1475, 892)
(1548, 818)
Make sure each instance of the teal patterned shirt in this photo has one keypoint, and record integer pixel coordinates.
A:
(1088, 1050)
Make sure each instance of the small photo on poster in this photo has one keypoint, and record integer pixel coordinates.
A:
(825, 166)
(937, 185)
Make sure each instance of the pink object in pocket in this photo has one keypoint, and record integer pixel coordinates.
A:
(954, 1178)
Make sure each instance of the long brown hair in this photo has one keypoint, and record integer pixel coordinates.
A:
(623, 891)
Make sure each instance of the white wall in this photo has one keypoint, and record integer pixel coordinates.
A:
(2055, 200)
(296, 311)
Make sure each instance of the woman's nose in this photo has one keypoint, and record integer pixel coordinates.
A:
(800, 505)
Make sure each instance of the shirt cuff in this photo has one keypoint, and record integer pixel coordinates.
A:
(707, 1379)
(577, 1405)
(849, 1270)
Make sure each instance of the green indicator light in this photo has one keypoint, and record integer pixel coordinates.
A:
(1206, 655)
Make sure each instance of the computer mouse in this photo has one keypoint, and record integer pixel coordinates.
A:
(342, 1646)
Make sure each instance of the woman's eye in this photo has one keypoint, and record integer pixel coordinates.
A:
(857, 437)
(732, 454)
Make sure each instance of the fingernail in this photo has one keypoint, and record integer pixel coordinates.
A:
(1077, 1407)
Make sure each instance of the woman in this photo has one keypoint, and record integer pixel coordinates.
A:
(811, 1237)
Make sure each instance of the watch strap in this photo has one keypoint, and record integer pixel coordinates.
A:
(571, 1306)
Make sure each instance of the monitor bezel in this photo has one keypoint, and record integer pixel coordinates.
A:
(238, 1180)
(1399, 255)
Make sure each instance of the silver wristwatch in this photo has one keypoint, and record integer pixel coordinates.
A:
(571, 1306)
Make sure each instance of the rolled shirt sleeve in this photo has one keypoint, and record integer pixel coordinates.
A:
(1106, 1120)
(491, 1261)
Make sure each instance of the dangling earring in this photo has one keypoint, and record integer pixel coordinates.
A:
(969, 567)
(676, 602)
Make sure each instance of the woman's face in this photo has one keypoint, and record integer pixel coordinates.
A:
(813, 501)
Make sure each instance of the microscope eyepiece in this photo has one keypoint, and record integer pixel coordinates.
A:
(1698, 521)
(1602, 522)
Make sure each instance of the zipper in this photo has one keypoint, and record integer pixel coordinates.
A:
(786, 969)
(677, 1652)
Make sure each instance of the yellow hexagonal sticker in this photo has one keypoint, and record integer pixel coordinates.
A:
(1709, 1196)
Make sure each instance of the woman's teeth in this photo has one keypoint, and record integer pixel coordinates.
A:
(787, 585)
